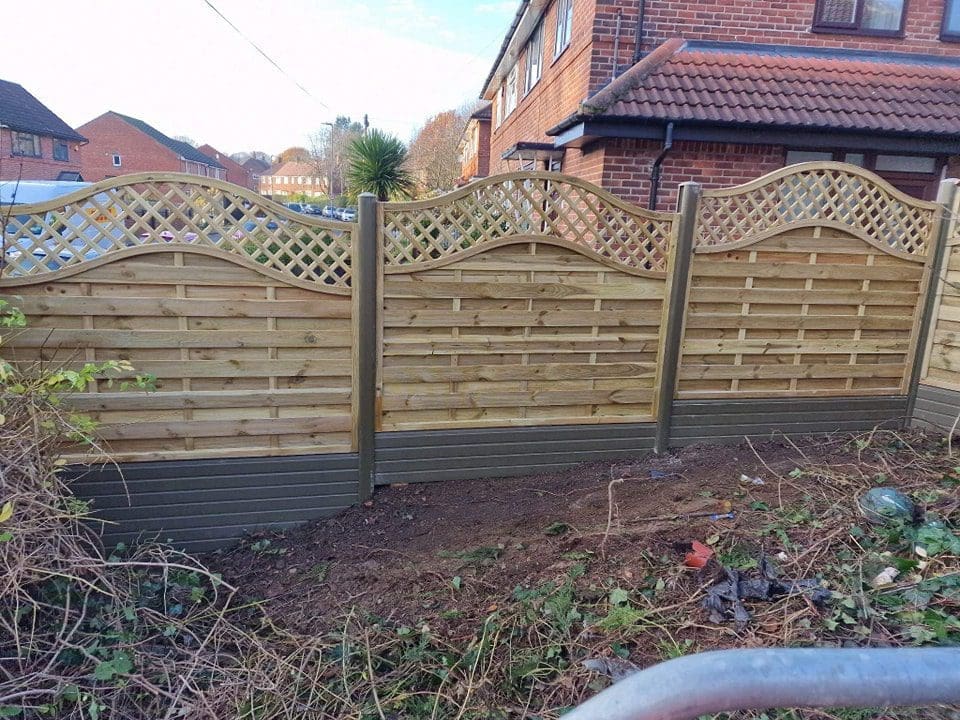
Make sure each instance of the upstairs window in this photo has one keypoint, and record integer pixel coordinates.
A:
(564, 26)
(499, 104)
(951, 21)
(117, 161)
(510, 99)
(61, 151)
(863, 17)
(26, 144)
(534, 59)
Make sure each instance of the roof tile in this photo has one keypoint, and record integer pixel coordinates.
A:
(776, 87)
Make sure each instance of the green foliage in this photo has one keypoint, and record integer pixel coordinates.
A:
(376, 165)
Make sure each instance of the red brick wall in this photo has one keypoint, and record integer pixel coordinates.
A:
(236, 173)
(563, 84)
(627, 165)
(109, 135)
(787, 22)
(41, 168)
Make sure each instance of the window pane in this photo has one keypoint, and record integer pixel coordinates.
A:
(799, 156)
(906, 163)
(951, 21)
(838, 12)
(855, 159)
(882, 14)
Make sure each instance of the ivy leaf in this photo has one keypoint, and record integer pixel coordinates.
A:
(619, 596)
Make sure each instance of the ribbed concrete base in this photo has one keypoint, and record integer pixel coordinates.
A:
(424, 456)
(202, 505)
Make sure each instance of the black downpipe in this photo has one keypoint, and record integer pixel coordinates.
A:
(641, 15)
(655, 169)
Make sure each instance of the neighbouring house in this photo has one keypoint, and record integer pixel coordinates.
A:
(236, 173)
(121, 145)
(475, 145)
(256, 168)
(35, 144)
(292, 178)
(640, 95)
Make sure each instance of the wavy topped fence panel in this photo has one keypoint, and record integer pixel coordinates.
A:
(537, 204)
(820, 193)
(173, 209)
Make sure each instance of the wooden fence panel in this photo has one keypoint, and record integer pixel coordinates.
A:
(240, 308)
(520, 300)
(798, 287)
(529, 332)
(942, 360)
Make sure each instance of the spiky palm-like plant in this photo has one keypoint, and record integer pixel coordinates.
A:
(375, 165)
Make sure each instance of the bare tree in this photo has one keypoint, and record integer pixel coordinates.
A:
(328, 151)
(186, 139)
(434, 158)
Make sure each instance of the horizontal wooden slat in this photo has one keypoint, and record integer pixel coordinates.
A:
(195, 399)
(127, 339)
(797, 297)
(531, 290)
(552, 371)
(508, 318)
(787, 270)
(172, 307)
(224, 428)
(515, 399)
(699, 372)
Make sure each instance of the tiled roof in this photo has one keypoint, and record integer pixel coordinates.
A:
(227, 162)
(19, 110)
(257, 167)
(734, 84)
(185, 150)
(294, 168)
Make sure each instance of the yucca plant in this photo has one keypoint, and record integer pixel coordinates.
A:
(375, 164)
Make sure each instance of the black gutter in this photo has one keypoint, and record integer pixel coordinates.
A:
(615, 121)
(506, 43)
(656, 169)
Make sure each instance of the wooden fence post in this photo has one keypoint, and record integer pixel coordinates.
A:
(947, 199)
(366, 264)
(675, 313)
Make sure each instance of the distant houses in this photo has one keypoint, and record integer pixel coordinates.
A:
(293, 178)
(120, 145)
(35, 144)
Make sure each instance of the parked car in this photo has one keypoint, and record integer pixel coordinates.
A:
(311, 209)
(72, 224)
(329, 211)
(348, 214)
(296, 207)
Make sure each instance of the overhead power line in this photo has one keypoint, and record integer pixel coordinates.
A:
(264, 54)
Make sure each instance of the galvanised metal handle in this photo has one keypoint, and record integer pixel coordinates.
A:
(727, 680)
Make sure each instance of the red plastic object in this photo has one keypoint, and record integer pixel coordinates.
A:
(698, 557)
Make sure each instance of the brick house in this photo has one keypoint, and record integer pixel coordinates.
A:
(256, 168)
(474, 145)
(640, 95)
(122, 145)
(236, 173)
(35, 144)
(292, 178)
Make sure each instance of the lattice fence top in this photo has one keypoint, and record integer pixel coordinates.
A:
(173, 209)
(812, 193)
(526, 204)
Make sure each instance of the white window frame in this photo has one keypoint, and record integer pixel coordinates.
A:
(564, 27)
(533, 60)
(117, 160)
(510, 101)
(499, 100)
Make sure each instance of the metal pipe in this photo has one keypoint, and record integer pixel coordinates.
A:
(729, 680)
(641, 16)
(616, 47)
(655, 169)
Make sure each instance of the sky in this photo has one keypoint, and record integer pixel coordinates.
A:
(178, 66)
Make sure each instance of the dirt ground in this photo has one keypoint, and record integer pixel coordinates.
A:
(589, 564)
